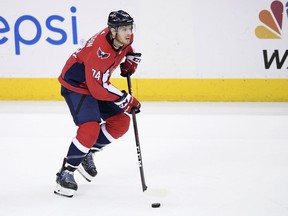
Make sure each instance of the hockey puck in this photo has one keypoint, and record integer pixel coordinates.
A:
(156, 205)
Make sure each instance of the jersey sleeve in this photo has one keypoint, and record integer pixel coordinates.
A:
(97, 80)
(130, 50)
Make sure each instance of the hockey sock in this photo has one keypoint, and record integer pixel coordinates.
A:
(112, 129)
(115, 126)
(76, 153)
(104, 136)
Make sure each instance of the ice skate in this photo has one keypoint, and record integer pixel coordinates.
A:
(87, 167)
(66, 184)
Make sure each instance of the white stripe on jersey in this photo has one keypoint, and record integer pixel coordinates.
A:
(108, 86)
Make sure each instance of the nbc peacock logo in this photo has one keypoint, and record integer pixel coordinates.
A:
(272, 21)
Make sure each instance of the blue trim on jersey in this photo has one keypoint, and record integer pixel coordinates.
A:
(75, 75)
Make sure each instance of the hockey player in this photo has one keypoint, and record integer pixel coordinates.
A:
(97, 107)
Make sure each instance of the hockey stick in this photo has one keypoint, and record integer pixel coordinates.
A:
(144, 186)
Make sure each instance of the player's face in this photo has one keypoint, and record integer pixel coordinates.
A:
(124, 34)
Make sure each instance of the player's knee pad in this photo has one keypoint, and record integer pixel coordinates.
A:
(87, 133)
(117, 125)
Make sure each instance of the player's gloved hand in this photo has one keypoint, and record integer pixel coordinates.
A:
(128, 103)
(130, 64)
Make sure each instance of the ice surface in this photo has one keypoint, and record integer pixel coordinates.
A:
(208, 159)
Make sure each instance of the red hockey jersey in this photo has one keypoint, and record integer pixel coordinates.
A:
(89, 69)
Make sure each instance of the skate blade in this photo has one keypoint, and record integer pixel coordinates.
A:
(84, 173)
(59, 190)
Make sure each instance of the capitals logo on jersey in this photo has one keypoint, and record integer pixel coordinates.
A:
(102, 54)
